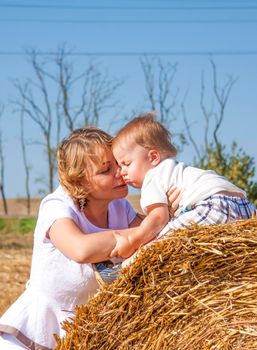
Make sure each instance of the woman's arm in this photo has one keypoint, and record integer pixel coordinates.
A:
(174, 196)
(95, 247)
(85, 248)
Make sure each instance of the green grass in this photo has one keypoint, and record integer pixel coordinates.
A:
(27, 225)
(2, 224)
(17, 225)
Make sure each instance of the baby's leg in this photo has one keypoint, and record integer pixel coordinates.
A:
(206, 212)
(216, 209)
(108, 271)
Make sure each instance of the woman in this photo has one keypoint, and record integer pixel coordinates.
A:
(77, 226)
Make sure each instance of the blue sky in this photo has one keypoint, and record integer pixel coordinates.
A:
(187, 30)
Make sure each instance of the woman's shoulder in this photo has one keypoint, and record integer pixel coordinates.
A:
(58, 193)
(57, 198)
(56, 205)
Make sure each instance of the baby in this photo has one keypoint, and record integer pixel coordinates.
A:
(146, 156)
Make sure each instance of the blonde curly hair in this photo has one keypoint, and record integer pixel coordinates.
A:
(76, 156)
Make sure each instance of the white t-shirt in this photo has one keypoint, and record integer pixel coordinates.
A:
(196, 184)
(57, 284)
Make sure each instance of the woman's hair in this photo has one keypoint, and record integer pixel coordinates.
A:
(76, 156)
(147, 132)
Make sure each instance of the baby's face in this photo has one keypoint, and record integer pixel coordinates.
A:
(134, 162)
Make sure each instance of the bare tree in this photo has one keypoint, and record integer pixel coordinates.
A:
(57, 99)
(214, 115)
(222, 94)
(159, 79)
(161, 94)
(234, 164)
(25, 160)
(188, 129)
(96, 91)
(2, 167)
(35, 103)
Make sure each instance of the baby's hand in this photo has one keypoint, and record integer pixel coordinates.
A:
(123, 247)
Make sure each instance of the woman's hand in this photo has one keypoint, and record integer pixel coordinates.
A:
(174, 196)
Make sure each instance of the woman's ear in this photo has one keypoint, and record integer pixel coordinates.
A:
(154, 157)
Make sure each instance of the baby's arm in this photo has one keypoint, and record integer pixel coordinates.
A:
(157, 218)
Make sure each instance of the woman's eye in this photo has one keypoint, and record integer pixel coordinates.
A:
(105, 171)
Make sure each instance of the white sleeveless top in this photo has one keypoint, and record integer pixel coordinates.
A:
(57, 284)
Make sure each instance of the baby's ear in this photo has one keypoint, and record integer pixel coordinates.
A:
(154, 157)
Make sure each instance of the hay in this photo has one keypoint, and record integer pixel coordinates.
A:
(196, 289)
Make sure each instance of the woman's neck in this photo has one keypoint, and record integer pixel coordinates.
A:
(97, 214)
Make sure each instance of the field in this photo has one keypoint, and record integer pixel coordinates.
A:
(15, 256)
(16, 240)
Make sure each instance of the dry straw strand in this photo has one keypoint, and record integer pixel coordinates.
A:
(194, 289)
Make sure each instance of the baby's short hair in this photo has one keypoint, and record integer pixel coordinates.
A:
(147, 132)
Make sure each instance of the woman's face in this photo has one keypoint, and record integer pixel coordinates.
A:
(106, 180)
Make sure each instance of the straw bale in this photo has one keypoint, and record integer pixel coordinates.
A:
(195, 289)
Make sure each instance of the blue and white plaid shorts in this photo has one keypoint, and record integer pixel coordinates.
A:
(217, 209)
(108, 271)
